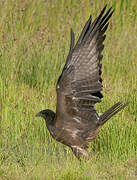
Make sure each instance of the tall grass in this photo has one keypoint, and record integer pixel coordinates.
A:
(34, 42)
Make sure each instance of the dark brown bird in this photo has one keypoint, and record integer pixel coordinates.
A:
(79, 87)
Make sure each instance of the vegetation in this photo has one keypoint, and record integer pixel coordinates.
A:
(34, 42)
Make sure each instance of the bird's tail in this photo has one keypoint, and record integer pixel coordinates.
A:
(111, 111)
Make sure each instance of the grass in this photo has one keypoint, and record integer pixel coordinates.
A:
(34, 42)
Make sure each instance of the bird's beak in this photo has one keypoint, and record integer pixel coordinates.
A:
(38, 114)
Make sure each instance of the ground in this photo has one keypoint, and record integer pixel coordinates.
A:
(34, 42)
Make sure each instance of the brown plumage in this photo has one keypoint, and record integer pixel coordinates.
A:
(76, 121)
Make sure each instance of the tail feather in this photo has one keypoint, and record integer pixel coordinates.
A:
(112, 111)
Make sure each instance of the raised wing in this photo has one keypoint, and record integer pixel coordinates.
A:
(79, 86)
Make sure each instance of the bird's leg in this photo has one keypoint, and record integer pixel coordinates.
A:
(81, 153)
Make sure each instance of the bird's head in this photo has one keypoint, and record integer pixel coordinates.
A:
(47, 114)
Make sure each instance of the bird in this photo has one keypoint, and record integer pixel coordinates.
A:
(76, 121)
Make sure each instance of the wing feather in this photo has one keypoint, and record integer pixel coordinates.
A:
(80, 84)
